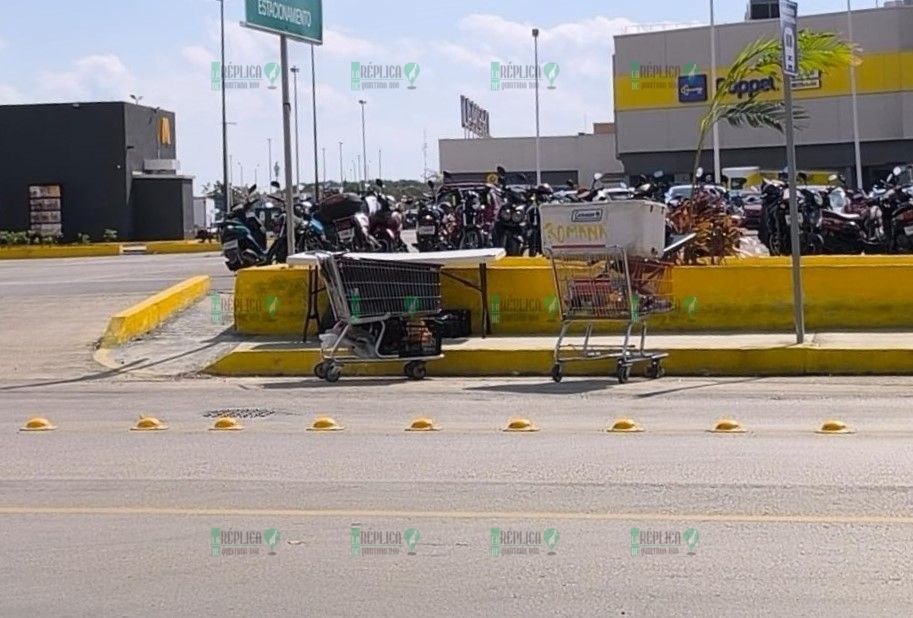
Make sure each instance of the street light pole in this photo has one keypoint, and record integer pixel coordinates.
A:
(717, 172)
(342, 171)
(364, 147)
(380, 158)
(241, 168)
(856, 146)
(294, 71)
(226, 185)
(536, 68)
(314, 110)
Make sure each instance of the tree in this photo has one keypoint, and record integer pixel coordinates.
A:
(818, 51)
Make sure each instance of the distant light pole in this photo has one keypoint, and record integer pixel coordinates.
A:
(136, 99)
(364, 147)
(295, 71)
(241, 168)
(717, 172)
(536, 68)
(342, 171)
(269, 158)
(856, 146)
(380, 158)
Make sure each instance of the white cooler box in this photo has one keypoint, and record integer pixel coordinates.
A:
(637, 225)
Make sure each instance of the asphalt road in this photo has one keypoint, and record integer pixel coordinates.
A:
(99, 520)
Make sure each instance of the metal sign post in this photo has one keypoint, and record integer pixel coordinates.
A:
(301, 20)
(790, 60)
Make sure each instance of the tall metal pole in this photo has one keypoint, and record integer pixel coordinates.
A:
(798, 303)
(314, 111)
(536, 67)
(380, 167)
(856, 145)
(364, 147)
(342, 171)
(226, 184)
(287, 145)
(294, 71)
(241, 168)
(717, 173)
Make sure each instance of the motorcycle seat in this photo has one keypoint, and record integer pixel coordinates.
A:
(841, 215)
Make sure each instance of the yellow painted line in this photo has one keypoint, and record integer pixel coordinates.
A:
(392, 514)
(59, 251)
(150, 313)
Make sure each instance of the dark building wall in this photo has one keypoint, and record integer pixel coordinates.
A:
(91, 150)
(81, 148)
(163, 207)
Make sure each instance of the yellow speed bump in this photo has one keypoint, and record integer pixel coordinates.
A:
(325, 423)
(520, 425)
(833, 426)
(149, 423)
(423, 424)
(625, 425)
(727, 425)
(226, 423)
(38, 424)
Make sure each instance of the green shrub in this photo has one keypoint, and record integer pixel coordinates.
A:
(84, 239)
(110, 235)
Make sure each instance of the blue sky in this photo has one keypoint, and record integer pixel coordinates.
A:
(64, 50)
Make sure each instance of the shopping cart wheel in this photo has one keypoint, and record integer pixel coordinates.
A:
(623, 372)
(332, 373)
(416, 370)
(320, 371)
(557, 372)
(656, 370)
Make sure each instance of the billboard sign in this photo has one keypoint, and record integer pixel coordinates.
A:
(297, 19)
(473, 118)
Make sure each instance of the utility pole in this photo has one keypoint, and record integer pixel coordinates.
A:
(294, 71)
(342, 171)
(536, 67)
(226, 184)
(364, 148)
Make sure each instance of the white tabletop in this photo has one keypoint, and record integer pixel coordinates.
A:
(463, 258)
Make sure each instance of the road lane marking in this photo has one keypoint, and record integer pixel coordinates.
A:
(393, 514)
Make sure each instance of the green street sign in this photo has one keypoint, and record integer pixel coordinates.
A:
(296, 19)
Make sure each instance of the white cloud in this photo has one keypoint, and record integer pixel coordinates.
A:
(100, 76)
(2, 43)
(198, 56)
(9, 95)
(341, 44)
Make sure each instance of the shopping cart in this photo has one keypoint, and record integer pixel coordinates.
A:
(383, 312)
(608, 285)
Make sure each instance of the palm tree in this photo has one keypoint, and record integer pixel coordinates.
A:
(818, 51)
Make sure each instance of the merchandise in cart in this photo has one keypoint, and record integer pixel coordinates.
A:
(596, 285)
(384, 312)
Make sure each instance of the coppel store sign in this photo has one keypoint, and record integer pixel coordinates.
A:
(749, 87)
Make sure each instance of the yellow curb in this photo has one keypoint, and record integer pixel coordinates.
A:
(61, 251)
(38, 423)
(150, 313)
(625, 425)
(181, 246)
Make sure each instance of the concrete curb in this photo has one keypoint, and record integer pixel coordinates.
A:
(150, 313)
(756, 361)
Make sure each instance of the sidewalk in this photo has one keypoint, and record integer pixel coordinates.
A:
(836, 353)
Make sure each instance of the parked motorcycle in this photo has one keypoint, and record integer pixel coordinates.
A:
(385, 221)
(434, 224)
(346, 222)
